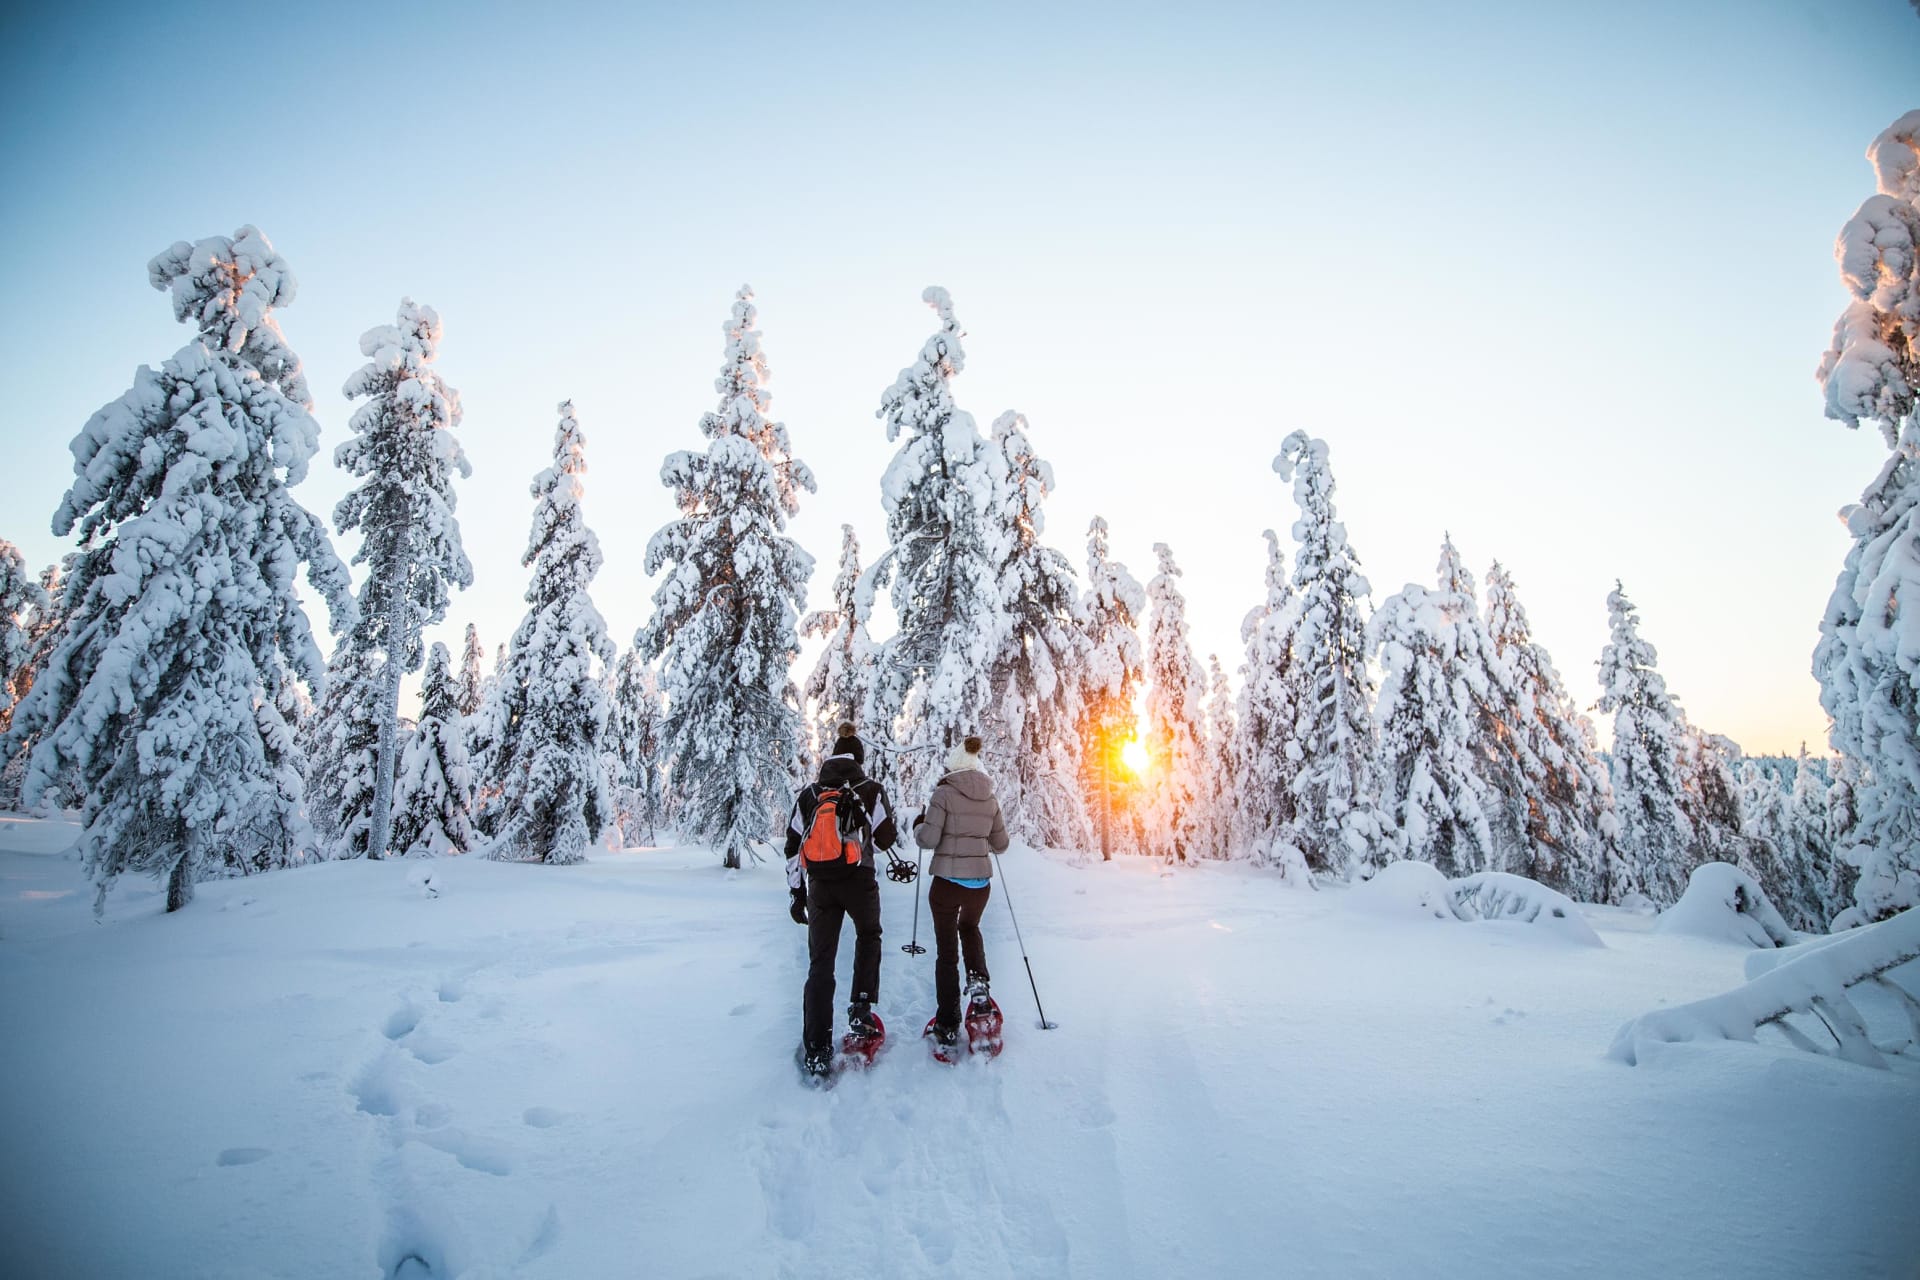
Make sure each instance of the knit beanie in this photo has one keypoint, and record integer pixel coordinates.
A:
(964, 756)
(848, 745)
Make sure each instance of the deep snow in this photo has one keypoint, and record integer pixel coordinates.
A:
(586, 1071)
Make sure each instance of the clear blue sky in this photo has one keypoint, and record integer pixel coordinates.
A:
(1551, 277)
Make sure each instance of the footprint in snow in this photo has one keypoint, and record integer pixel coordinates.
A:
(241, 1155)
(543, 1117)
(473, 1153)
(739, 1010)
(429, 1049)
(401, 1022)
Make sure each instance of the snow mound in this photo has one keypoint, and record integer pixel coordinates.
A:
(1724, 903)
(1815, 983)
(1496, 895)
(1408, 888)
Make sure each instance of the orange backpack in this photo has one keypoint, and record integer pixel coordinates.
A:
(838, 832)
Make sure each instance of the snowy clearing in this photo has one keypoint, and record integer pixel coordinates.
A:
(586, 1071)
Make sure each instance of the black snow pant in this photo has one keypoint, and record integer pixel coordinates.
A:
(955, 911)
(828, 901)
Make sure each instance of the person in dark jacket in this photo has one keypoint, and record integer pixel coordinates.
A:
(824, 893)
(963, 827)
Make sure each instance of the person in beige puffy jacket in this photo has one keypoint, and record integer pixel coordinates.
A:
(963, 828)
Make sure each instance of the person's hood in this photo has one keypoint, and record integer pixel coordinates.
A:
(835, 770)
(971, 783)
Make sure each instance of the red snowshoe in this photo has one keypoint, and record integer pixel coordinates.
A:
(944, 1050)
(859, 1048)
(983, 1026)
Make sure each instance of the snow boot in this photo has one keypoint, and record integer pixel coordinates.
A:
(943, 1041)
(865, 1035)
(816, 1066)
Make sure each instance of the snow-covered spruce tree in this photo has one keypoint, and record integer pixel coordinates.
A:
(1775, 859)
(842, 678)
(341, 747)
(469, 688)
(1176, 697)
(1807, 832)
(1568, 842)
(1110, 681)
(20, 599)
(940, 493)
(43, 630)
(635, 734)
(1035, 709)
(1867, 662)
(1431, 780)
(1337, 823)
(1269, 757)
(553, 709)
(433, 796)
(723, 625)
(183, 615)
(1656, 837)
(1222, 755)
(1486, 684)
(405, 452)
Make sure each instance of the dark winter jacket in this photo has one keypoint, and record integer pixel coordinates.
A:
(962, 826)
(838, 771)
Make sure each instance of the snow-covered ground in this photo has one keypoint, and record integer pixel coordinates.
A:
(586, 1072)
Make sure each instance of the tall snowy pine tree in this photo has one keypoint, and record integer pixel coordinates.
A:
(1035, 708)
(1269, 757)
(635, 737)
(724, 616)
(1113, 606)
(163, 692)
(1656, 836)
(20, 599)
(842, 677)
(469, 690)
(940, 493)
(1337, 823)
(1867, 661)
(1176, 696)
(1570, 828)
(552, 706)
(433, 795)
(405, 451)
(1432, 780)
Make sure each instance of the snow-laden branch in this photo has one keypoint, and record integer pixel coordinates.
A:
(1816, 983)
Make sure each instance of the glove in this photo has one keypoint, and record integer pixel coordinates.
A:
(918, 818)
(799, 908)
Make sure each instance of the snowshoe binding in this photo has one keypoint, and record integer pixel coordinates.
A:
(943, 1041)
(865, 1037)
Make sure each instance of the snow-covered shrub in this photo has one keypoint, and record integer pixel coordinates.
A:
(1496, 895)
(1725, 903)
(1407, 889)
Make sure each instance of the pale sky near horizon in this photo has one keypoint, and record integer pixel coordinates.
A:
(1552, 278)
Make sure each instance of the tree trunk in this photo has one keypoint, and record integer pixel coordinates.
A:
(381, 824)
(180, 882)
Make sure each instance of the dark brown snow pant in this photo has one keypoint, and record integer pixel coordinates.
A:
(828, 902)
(955, 911)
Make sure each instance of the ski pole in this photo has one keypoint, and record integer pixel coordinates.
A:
(1002, 872)
(914, 948)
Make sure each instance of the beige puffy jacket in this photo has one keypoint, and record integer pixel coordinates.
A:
(962, 826)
